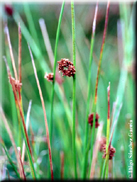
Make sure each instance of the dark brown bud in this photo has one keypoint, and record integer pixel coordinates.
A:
(66, 67)
(90, 120)
(49, 77)
(8, 9)
(111, 152)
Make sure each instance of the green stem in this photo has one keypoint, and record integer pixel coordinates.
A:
(89, 92)
(74, 87)
(54, 73)
(96, 86)
(108, 131)
(54, 70)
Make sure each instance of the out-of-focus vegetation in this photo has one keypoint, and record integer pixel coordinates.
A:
(118, 68)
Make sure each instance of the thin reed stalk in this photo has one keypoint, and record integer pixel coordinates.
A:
(20, 79)
(19, 53)
(44, 111)
(89, 91)
(108, 131)
(74, 87)
(54, 71)
(97, 79)
(31, 23)
(6, 30)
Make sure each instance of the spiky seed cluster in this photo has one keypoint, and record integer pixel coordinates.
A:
(102, 148)
(66, 67)
(49, 77)
(90, 120)
(111, 152)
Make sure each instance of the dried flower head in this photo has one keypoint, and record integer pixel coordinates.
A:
(102, 148)
(66, 67)
(90, 120)
(8, 9)
(111, 152)
(16, 83)
(49, 77)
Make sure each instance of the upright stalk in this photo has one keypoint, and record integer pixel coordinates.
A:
(74, 86)
(44, 111)
(108, 131)
(96, 87)
(54, 71)
(89, 92)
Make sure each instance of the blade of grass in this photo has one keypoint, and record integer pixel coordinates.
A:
(20, 79)
(44, 111)
(19, 53)
(97, 79)
(27, 125)
(31, 23)
(74, 87)
(54, 71)
(6, 30)
(89, 91)
(108, 131)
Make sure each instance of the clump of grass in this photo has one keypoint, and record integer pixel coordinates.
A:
(16, 87)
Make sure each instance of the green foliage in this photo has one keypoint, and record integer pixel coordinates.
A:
(116, 68)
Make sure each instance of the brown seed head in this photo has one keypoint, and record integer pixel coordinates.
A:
(49, 77)
(111, 152)
(8, 9)
(90, 120)
(66, 67)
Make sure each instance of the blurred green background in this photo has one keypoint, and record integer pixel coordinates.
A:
(111, 67)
